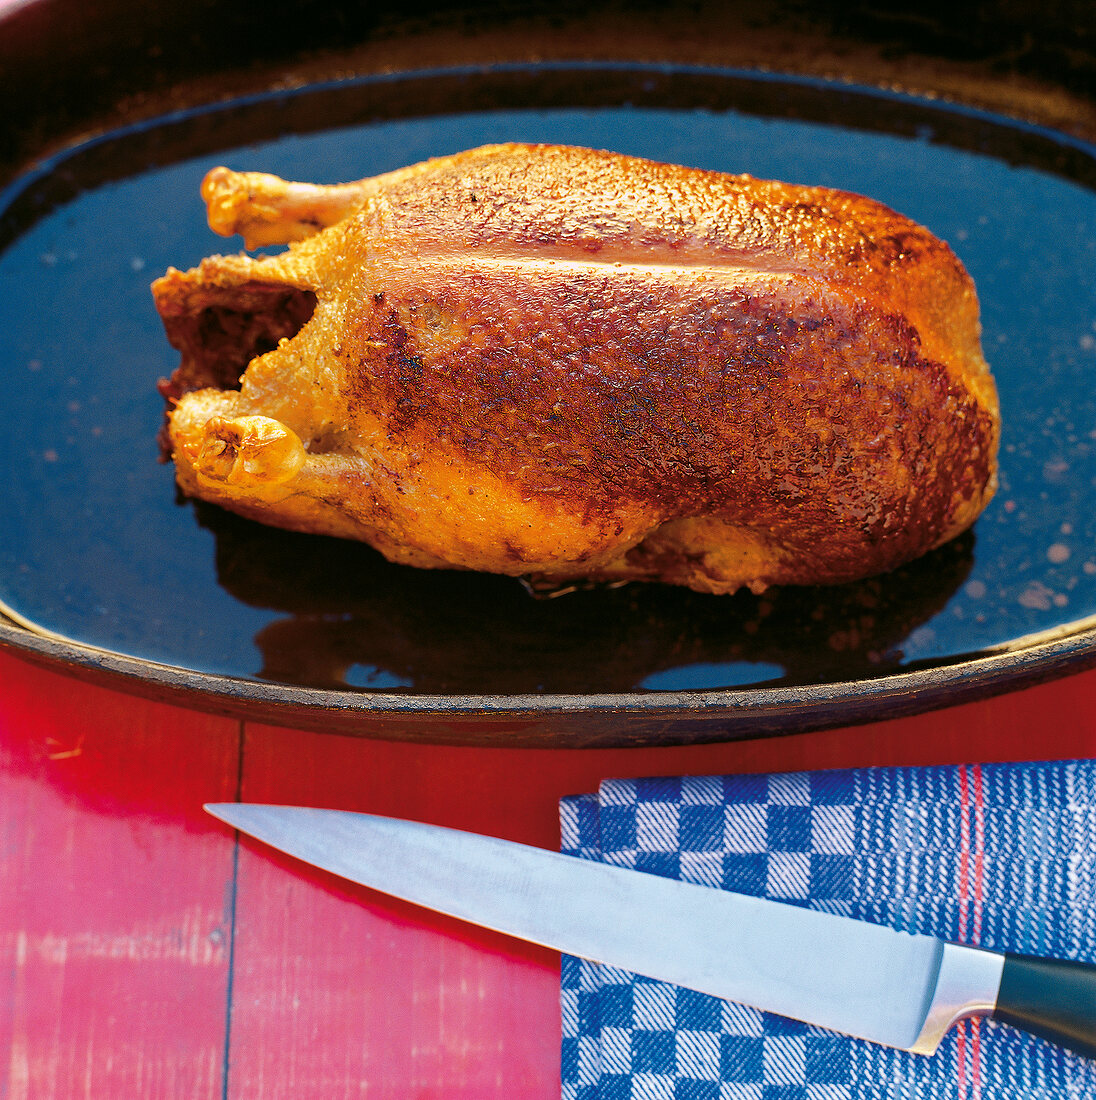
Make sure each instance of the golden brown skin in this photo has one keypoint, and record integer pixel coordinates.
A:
(562, 363)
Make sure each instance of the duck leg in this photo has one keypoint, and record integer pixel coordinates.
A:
(266, 209)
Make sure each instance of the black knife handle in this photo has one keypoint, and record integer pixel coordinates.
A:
(1052, 998)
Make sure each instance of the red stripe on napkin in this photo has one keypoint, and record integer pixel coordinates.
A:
(971, 900)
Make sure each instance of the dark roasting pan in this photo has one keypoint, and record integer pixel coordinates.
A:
(982, 118)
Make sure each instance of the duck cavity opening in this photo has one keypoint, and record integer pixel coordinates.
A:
(221, 329)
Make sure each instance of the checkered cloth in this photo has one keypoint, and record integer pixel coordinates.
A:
(998, 855)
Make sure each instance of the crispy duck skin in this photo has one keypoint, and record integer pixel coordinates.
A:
(569, 364)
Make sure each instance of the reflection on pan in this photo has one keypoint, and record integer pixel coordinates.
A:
(352, 619)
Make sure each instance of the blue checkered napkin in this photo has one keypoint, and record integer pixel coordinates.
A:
(998, 855)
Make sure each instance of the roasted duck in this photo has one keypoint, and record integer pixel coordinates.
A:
(567, 364)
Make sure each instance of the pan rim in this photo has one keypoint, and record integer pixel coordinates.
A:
(1046, 655)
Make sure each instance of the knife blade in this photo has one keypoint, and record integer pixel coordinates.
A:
(895, 988)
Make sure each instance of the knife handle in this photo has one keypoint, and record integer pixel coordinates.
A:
(1052, 998)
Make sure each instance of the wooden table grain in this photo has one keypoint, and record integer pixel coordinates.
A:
(145, 953)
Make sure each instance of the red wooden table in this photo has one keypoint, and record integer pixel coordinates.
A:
(143, 953)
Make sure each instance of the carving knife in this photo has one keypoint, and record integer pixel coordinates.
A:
(862, 979)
